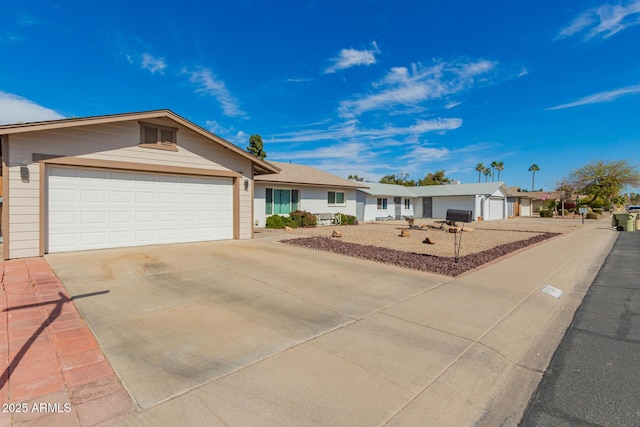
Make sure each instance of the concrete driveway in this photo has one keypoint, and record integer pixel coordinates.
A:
(178, 316)
(261, 333)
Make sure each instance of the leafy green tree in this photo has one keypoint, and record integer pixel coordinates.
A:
(401, 179)
(487, 173)
(479, 169)
(436, 178)
(499, 167)
(533, 169)
(255, 146)
(605, 179)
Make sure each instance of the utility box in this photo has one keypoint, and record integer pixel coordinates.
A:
(459, 215)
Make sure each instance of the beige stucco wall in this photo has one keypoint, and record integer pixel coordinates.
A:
(113, 142)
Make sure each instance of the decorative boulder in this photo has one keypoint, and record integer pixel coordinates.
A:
(405, 233)
(288, 229)
(428, 241)
(336, 234)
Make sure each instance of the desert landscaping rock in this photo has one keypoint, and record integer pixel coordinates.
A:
(416, 261)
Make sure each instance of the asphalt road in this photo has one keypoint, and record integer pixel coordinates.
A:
(594, 376)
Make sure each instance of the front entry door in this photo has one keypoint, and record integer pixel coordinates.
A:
(397, 201)
(427, 206)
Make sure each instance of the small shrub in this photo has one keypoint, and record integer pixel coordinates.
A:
(591, 215)
(564, 212)
(347, 219)
(546, 213)
(275, 221)
(549, 205)
(303, 218)
(599, 211)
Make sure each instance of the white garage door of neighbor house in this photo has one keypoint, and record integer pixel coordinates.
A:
(91, 208)
(496, 208)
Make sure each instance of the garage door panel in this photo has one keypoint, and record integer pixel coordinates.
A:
(120, 196)
(145, 197)
(93, 217)
(121, 238)
(142, 217)
(90, 209)
(96, 239)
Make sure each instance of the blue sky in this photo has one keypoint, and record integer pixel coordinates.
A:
(352, 87)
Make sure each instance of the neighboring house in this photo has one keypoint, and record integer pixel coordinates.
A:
(518, 203)
(382, 201)
(300, 187)
(538, 198)
(122, 180)
(488, 200)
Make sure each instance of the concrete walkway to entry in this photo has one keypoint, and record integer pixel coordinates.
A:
(260, 333)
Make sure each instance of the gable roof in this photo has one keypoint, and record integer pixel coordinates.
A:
(301, 174)
(377, 189)
(259, 166)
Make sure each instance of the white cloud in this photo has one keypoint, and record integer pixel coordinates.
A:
(408, 88)
(350, 130)
(16, 109)
(207, 83)
(452, 104)
(523, 72)
(299, 80)
(603, 21)
(348, 58)
(600, 97)
(425, 154)
(153, 64)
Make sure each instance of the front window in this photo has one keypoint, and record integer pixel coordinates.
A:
(382, 204)
(407, 203)
(335, 198)
(281, 201)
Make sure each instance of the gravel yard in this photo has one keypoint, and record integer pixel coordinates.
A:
(485, 234)
(381, 241)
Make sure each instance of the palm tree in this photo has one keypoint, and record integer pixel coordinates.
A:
(487, 173)
(479, 169)
(499, 167)
(494, 165)
(533, 169)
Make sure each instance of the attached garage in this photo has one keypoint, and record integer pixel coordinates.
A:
(123, 180)
(496, 208)
(89, 208)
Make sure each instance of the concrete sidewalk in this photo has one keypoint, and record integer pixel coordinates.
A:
(470, 351)
(593, 377)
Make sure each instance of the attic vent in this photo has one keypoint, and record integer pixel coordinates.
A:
(159, 137)
(167, 137)
(150, 135)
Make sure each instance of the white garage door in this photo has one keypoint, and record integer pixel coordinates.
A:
(100, 208)
(496, 208)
